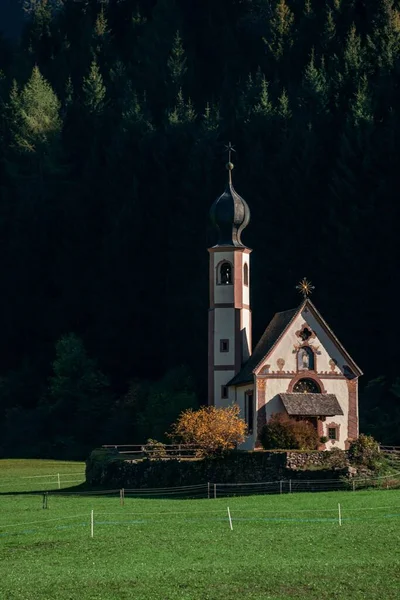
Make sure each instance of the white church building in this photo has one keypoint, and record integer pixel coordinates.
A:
(298, 367)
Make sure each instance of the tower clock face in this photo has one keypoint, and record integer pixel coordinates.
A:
(306, 386)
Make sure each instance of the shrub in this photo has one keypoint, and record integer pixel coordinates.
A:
(213, 429)
(155, 449)
(284, 433)
(336, 459)
(365, 451)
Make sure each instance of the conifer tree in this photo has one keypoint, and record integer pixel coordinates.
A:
(329, 30)
(353, 54)
(35, 126)
(183, 112)
(314, 95)
(279, 38)
(177, 64)
(94, 91)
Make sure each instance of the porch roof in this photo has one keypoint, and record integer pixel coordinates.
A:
(316, 405)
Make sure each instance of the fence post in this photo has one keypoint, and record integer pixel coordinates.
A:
(121, 497)
(59, 482)
(208, 490)
(230, 519)
(91, 524)
(215, 490)
(280, 486)
(354, 486)
(290, 486)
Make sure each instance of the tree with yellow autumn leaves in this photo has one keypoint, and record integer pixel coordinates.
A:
(212, 429)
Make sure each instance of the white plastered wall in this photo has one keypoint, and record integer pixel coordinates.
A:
(239, 395)
(220, 379)
(224, 329)
(325, 351)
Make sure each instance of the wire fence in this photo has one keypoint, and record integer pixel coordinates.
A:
(54, 480)
(54, 484)
(97, 523)
(213, 490)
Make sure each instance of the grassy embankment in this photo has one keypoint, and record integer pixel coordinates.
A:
(281, 547)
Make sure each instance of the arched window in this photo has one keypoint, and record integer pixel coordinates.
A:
(226, 274)
(246, 274)
(306, 386)
(305, 359)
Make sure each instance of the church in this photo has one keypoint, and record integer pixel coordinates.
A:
(298, 367)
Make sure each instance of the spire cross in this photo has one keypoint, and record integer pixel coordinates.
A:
(305, 287)
(229, 164)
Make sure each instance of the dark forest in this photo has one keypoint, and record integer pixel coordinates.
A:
(114, 117)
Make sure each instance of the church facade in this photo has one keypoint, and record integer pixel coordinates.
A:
(298, 366)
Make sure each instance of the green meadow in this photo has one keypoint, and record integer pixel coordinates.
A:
(282, 547)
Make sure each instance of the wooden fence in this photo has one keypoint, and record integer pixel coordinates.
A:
(391, 451)
(156, 451)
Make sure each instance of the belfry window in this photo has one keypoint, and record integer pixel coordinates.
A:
(246, 274)
(306, 386)
(305, 359)
(226, 274)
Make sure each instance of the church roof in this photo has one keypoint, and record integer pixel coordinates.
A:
(273, 333)
(270, 336)
(316, 405)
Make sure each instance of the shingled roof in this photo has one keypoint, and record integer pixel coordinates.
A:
(274, 330)
(316, 405)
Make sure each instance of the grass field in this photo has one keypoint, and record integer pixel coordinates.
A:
(281, 547)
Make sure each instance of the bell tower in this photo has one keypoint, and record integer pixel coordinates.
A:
(229, 321)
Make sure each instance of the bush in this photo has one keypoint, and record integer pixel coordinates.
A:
(155, 449)
(336, 459)
(365, 451)
(213, 429)
(284, 433)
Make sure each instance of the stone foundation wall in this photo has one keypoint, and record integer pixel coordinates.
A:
(304, 460)
(108, 469)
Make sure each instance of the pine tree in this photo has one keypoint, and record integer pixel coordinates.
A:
(361, 107)
(314, 93)
(36, 114)
(384, 42)
(211, 118)
(329, 31)
(264, 105)
(183, 112)
(94, 91)
(177, 64)
(353, 54)
(283, 110)
(279, 38)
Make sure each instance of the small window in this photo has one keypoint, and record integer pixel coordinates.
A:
(246, 274)
(305, 334)
(332, 433)
(226, 274)
(224, 345)
(249, 411)
(224, 391)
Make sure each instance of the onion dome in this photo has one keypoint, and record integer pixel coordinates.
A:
(230, 214)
